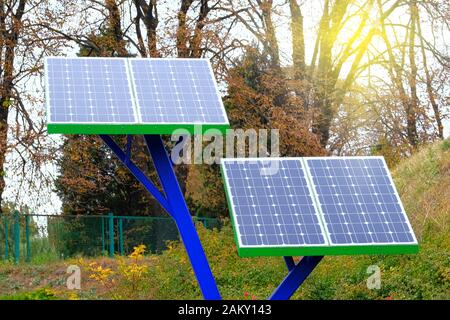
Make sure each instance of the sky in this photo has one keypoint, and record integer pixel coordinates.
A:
(50, 203)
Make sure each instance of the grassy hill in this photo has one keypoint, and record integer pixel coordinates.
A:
(423, 182)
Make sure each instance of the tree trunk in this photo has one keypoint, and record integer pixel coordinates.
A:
(395, 72)
(115, 27)
(151, 23)
(3, 144)
(414, 100)
(182, 31)
(271, 39)
(195, 44)
(428, 80)
(298, 40)
(322, 103)
(9, 43)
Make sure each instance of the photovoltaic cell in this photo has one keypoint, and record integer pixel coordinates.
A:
(272, 209)
(359, 202)
(89, 90)
(176, 91)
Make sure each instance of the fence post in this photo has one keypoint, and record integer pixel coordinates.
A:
(111, 234)
(27, 236)
(202, 220)
(120, 237)
(103, 235)
(6, 238)
(16, 237)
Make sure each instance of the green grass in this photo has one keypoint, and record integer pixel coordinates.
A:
(422, 276)
(39, 294)
(423, 182)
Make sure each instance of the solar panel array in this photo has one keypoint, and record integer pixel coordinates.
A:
(338, 202)
(138, 92)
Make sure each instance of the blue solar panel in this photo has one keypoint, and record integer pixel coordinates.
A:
(359, 202)
(316, 206)
(89, 90)
(272, 208)
(177, 91)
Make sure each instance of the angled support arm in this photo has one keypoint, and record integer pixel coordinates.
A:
(139, 175)
(296, 276)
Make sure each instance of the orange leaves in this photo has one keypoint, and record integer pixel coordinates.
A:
(263, 97)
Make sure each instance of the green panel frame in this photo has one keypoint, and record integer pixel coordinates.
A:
(259, 251)
(327, 250)
(92, 128)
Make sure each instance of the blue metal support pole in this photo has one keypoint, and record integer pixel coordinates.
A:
(173, 202)
(295, 278)
(182, 217)
(290, 263)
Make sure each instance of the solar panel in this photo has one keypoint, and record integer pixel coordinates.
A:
(316, 206)
(177, 91)
(88, 90)
(132, 96)
(272, 209)
(359, 202)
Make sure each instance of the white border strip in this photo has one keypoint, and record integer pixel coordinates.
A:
(315, 198)
(137, 114)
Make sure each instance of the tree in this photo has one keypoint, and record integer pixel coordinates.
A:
(92, 180)
(87, 183)
(347, 48)
(255, 88)
(23, 44)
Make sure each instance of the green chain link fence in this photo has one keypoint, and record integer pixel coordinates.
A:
(26, 237)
